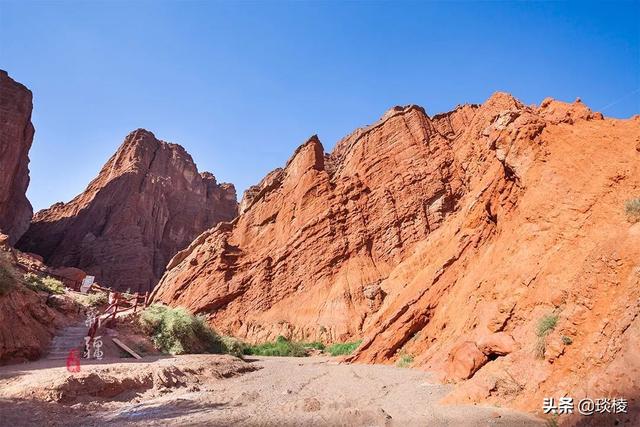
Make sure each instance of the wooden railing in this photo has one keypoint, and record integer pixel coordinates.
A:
(118, 303)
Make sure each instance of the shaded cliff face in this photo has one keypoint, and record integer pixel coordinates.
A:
(16, 136)
(148, 202)
(27, 319)
(447, 238)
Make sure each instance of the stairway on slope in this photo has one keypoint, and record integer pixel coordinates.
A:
(70, 338)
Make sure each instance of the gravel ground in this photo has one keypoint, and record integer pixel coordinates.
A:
(282, 392)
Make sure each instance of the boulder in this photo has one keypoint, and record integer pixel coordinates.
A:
(464, 360)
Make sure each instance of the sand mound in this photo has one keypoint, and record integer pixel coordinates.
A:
(123, 381)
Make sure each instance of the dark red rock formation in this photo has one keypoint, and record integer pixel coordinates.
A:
(27, 322)
(147, 203)
(16, 136)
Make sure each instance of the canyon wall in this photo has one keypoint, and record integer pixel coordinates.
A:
(16, 136)
(148, 202)
(448, 241)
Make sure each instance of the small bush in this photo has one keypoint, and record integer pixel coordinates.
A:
(545, 325)
(632, 208)
(176, 331)
(343, 349)
(541, 347)
(405, 361)
(234, 346)
(316, 345)
(280, 347)
(567, 340)
(92, 300)
(47, 284)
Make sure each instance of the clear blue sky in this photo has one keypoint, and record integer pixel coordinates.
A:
(240, 85)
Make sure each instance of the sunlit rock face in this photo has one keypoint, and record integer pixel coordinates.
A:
(446, 238)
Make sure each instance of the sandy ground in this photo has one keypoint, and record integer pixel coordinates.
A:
(221, 390)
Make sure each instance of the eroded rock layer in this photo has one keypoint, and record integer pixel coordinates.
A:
(444, 240)
(16, 136)
(148, 202)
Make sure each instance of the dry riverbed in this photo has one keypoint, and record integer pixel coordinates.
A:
(217, 390)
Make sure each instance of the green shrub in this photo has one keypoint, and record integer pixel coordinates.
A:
(53, 286)
(343, 349)
(176, 331)
(567, 340)
(46, 284)
(92, 300)
(632, 208)
(316, 345)
(545, 325)
(280, 347)
(234, 346)
(405, 361)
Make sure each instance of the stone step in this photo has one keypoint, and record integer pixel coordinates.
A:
(65, 340)
(69, 338)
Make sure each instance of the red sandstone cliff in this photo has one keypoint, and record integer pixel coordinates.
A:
(446, 238)
(16, 136)
(148, 202)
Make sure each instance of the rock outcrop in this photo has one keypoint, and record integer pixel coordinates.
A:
(16, 136)
(147, 203)
(27, 321)
(447, 238)
(317, 237)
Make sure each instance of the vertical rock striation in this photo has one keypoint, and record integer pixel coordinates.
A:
(16, 136)
(148, 202)
(447, 238)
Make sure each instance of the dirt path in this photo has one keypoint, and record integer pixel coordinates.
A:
(283, 392)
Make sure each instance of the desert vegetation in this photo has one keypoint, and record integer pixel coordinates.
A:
(284, 347)
(545, 325)
(176, 331)
(92, 300)
(280, 347)
(632, 209)
(343, 349)
(404, 361)
(45, 284)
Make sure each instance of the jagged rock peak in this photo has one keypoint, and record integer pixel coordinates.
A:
(148, 202)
